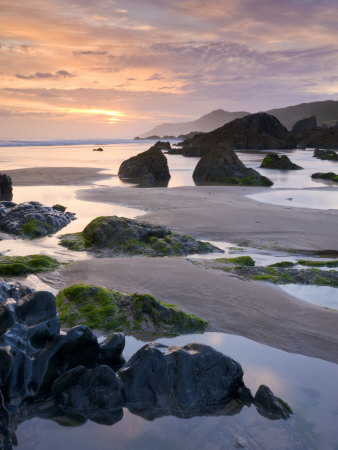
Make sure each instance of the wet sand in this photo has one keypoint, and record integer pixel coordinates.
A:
(256, 310)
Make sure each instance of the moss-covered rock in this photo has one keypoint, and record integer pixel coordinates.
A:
(314, 263)
(22, 265)
(283, 264)
(58, 207)
(273, 161)
(326, 176)
(120, 235)
(135, 314)
(238, 261)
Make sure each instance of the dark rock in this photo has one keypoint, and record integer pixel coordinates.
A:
(259, 131)
(5, 427)
(31, 219)
(154, 137)
(326, 176)
(175, 151)
(6, 190)
(273, 161)
(13, 290)
(322, 137)
(328, 155)
(59, 207)
(161, 145)
(304, 124)
(148, 169)
(177, 380)
(270, 406)
(127, 236)
(222, 166)
(98, 149)
(110, 352)
(36, 307)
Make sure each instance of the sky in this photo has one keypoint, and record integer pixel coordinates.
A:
(114, 69)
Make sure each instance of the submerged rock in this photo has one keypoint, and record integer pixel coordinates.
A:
(273, 161)
(6, 190)
(304, 124)
(148, 169)
(259, 131)
(222, 166)
(120, 235)
(329, 155)
(135, 314)
(32, 219)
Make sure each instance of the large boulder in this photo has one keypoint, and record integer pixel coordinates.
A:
(222, 166)
(304, 124)
(6, 190)
(273, 161)
(259, 131)
(180, 380)
(148, 169)
(32, 219)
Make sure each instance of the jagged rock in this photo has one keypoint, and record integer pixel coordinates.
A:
(329, 155)
(222, 166)
(6, 190)
(273, 161)
(304, 124)
(179, 379)
(270, 406)
(149, 168)
(127, 236)
(32, 219)
(161, 145)
(5, 427)
(259, 131)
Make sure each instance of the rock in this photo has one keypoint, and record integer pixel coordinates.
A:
(23, 265)
(161, 145)
(270, 406)
(98, 149)
(326, 176)
(273, 161)
(148, 169)
(329, 155)
(5, 427)
(177, 380)
(135, 314)
(175, 151)
(322, 137)
(6, 190)
(259, 131)
(304, 124)
(120, 235)
(32, 219)
(13, 290)
(222, 166)
(111, 349)
(59, 207)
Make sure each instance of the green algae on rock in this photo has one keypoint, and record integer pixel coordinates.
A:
(120, 235)
(134, 314)
(22, 265)
(238, 261)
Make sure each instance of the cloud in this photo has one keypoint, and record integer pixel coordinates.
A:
(155, 77)
(90, 53)
(46, 75)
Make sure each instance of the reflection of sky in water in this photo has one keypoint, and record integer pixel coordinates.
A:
(307, 384)
(319, 295)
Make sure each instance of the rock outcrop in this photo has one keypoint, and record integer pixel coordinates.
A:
(6, 189)
(322, 137)
(148, 169)
(259, 131)
(163, 145)
(222, 166)
(71, 377)
(120, 235)
(325, 155)
(326, 176)
(32, 219)
(273, 161)
(304, 124)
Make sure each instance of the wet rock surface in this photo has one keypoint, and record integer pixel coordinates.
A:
(148, 169)
(259, 131)
(222, 166)
(273, 161)
(120, 235)
(32, 219)
(6, 189)
(47, 373)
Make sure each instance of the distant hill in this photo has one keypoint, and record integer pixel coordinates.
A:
(206, 123)
(326, 112)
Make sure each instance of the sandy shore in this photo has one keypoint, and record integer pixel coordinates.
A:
(256, 310)
(56, 176)
(223, 213)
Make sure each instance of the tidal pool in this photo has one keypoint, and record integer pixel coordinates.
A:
(318, 295)
(308, 385)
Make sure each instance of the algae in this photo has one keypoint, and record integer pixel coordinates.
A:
(22, 265)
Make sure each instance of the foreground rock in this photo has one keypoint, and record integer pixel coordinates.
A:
(273, 161)
(136, 314)
(328, 155)
(326, 176)
(222, 166)
(32, 219)
(71, 377)
(148, 169)
(23, 265)
(305, 124)
(259, 131)
(120, 235)
(6, 189)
